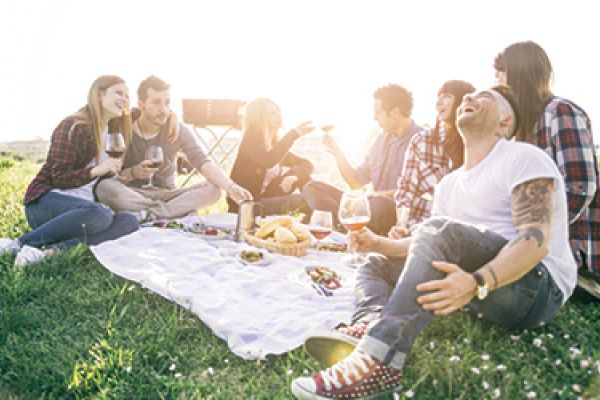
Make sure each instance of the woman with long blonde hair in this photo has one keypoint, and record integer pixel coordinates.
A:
(265, 166)
(59, 202)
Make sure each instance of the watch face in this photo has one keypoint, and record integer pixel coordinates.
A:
(482, 292)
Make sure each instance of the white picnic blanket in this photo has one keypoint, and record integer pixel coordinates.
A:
(257, 310)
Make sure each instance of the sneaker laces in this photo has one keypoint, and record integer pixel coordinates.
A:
(346, 368)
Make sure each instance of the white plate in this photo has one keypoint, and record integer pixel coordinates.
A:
(266, 260)
(222, 220)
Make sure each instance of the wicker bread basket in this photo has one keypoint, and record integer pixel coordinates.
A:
(297, 249)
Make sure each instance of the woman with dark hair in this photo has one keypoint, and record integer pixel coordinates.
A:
(564, 131)
(59, 202)
(265, 166)
(431, 154)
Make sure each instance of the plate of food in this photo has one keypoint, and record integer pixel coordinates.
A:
(331, 247)
(209, 232)
(320, 276)
(254, 257)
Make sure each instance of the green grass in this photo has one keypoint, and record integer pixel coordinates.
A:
(70, 329)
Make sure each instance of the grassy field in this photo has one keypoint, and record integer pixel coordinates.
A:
(70, 329)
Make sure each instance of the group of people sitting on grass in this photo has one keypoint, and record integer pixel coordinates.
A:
(502, 196)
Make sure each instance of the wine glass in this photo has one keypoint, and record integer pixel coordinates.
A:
(321, 224)
(156, 156)
(115, 145)
(354, 214)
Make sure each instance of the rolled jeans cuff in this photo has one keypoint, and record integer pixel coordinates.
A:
(382, 352)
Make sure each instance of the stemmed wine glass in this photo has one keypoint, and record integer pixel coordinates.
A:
(354, 214)
(115, 145)
(156, 156)
(321, 224)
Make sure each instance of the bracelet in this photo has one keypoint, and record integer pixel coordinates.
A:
(493, 274)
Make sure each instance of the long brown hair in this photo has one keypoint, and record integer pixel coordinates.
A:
(93, 113)
(453, 143)
(528, 73)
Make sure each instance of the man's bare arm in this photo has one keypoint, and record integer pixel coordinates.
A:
(532, 206)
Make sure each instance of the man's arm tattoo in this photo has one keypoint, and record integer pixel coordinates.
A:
(527, 234)
(532, 204)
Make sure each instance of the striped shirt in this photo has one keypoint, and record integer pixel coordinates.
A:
(564, 131)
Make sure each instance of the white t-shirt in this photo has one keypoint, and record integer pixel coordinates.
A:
(482, 196)
(85, 192)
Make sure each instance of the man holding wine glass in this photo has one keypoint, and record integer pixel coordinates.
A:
(382, 164)
(146, 185)
(497, 244)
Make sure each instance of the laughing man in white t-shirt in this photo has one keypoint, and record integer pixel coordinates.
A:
(498, 244)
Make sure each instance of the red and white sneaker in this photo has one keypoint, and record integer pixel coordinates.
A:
(358, 376)
(328, 347)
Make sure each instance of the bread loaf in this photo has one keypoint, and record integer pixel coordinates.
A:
(269, 227)
(284, 236)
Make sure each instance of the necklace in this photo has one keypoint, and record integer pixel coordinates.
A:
(147, 138)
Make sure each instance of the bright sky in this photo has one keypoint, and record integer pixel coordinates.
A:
(318, 59)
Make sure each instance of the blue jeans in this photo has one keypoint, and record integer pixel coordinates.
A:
(322, 196)
(61, 221)
(387, 295)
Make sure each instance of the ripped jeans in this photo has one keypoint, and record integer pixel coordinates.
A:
(387, 295)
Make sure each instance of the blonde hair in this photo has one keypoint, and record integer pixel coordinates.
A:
(256, 118)
(93, 113)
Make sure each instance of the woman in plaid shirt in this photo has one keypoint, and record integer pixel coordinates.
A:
(431, 154)
(564, 131)
(59, 203)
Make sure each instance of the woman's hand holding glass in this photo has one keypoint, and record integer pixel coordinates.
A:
(110, 166)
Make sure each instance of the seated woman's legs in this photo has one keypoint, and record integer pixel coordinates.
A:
(285, 204)
(63, 221)
(321, 196)
(383, 214)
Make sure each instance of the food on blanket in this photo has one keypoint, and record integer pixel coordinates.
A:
(300, 231)
(174, 225)
(251, 256)
(269, 227)
(284, 235)
(325, 276)
(334, 247)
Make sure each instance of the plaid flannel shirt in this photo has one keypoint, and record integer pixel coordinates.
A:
(564, 131)
(72, 147)
(425, 164)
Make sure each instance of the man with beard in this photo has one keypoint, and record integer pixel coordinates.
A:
(497, 243)
(130, 192)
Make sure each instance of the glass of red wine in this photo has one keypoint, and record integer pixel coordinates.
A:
(321, 224)
(115, 145)
(354, 214)
(156, 157)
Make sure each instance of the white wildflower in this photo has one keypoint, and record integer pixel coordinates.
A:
(550, 336)
(566, 336)
(178, 375)
(515, 337)
(396, 396)
(485, 357)
(128, 369)
(537, 342)
(485, 385)
(210, 370)
(485, 367)
(454, 358)
(172, 367)
(475, 371)
(431, 345)
(130, 288)
(497, 393)
(501, 367)
(576, 388)
(584, 363)
(521, 354)
(409, 394)
(226, 361)
(557, 361)
(466, 341)
(289, 372)
(531, 395)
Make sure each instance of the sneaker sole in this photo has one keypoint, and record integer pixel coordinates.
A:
(329, 347)
(301, 393)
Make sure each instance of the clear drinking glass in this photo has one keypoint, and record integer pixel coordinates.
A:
(115, 145)
(321, 224)
(154, 154)
(354, 214)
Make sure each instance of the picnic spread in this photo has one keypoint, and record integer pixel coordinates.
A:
(259, 301)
